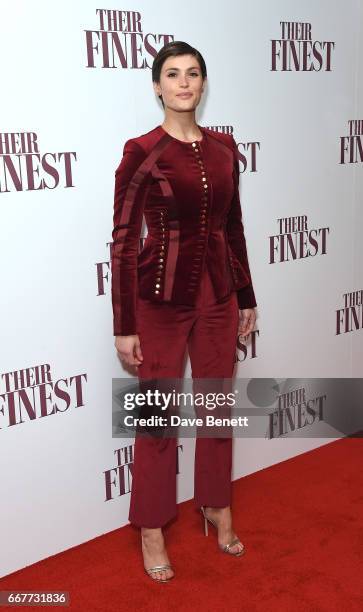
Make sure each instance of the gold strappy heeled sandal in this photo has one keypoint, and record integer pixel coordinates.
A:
(159, 568)
(224, 547)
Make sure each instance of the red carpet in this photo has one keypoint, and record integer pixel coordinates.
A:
(300, 520)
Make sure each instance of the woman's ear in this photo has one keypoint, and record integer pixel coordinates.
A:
(157, 88)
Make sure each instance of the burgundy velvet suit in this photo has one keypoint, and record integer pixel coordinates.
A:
(188, 193)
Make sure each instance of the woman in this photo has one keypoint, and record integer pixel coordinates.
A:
(183, 290)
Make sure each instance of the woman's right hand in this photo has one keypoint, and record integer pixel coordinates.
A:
(129, 349)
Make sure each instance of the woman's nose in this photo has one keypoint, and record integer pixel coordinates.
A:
(183, 81)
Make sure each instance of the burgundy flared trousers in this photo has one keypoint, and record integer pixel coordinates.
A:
(209, 331)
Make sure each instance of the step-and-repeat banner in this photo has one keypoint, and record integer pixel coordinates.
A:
(285, 78)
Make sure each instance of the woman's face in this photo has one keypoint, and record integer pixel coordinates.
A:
(181, 83)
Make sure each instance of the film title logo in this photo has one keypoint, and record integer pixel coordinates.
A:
(103, 268)
(247, 151)
(296, 241)
(247, 349)
(294, 412)
(296, 51)
(119, 41)
(24, 168)
(29, 394)
(350, 317)
(118, 479)
(351, 146)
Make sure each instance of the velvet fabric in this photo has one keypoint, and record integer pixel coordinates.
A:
(188, 193)
(209, 331)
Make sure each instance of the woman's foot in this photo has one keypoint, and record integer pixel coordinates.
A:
(223, 519)
(154, 552)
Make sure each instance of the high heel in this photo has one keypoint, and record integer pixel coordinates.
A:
(159, 568)
(224, 547)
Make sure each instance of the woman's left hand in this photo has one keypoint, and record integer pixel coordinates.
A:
(247, 321)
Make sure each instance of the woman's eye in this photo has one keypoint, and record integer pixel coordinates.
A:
(191, 73)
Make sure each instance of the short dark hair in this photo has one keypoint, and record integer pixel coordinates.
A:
(172, 49)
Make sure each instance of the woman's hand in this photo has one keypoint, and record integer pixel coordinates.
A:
(247, 321)
(129, 349)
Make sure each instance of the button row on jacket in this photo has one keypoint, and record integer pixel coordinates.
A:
(196, 267)
(161, 259)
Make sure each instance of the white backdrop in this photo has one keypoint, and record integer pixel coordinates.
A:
(59, 463)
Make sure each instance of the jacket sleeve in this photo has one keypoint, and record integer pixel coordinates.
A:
(129, 198)
(236, 237)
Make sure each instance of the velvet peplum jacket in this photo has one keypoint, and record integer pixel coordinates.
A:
(188, 193)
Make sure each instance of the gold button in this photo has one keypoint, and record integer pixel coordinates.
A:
(204, 179)
(161, 259)
(156, 291)
(193, 144)
(205, 186)
(157, 285)
(162, 247)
